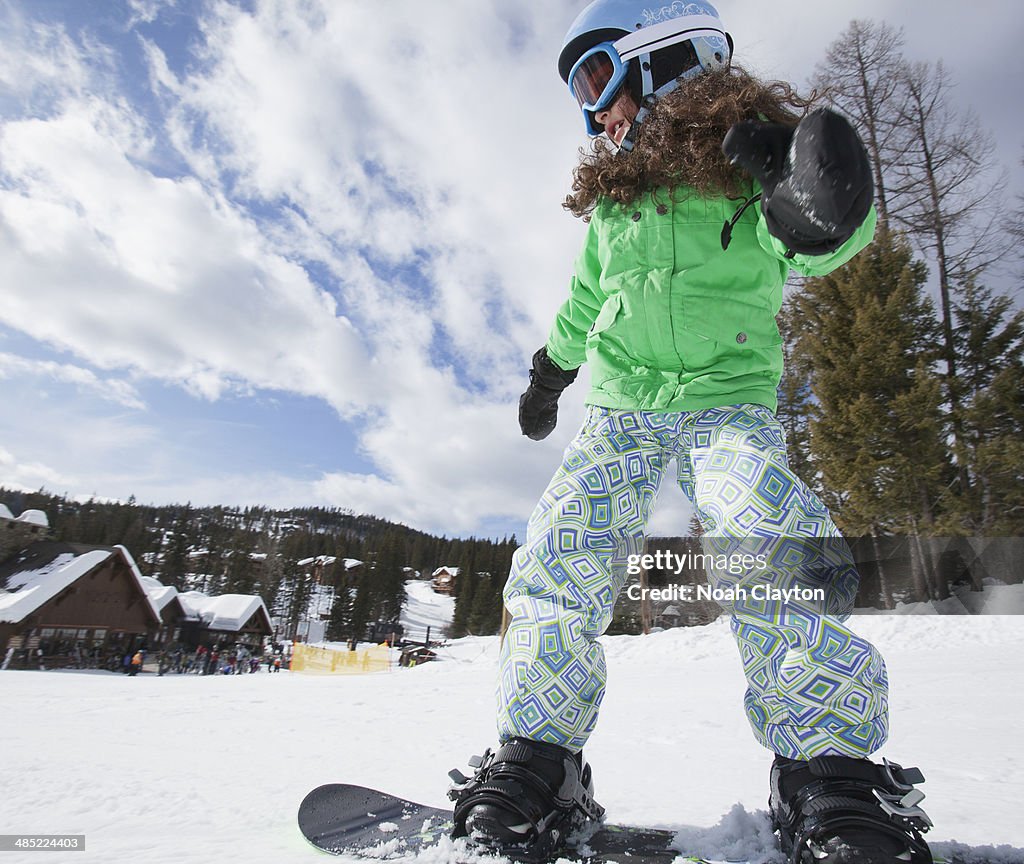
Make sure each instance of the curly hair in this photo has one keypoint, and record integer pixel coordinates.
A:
(680, 141)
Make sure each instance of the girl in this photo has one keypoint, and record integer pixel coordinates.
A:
(672, 305)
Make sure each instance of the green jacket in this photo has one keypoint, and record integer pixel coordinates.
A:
(667, 319)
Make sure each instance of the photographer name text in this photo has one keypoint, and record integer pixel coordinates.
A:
(694, 593)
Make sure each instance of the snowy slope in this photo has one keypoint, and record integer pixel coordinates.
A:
(189, 769)
(425, 608)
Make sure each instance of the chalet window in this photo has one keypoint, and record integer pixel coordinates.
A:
(98, 636)
(46, 633)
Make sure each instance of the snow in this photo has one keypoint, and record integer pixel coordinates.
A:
(425, 608)
(159, 594)
(225, 612)
(196, 769)
(322, 560)
(34, 517)
(996, 599)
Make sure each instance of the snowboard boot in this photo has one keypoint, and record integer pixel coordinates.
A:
(524, 800)
(841, 810)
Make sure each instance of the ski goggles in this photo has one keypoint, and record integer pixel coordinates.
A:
(595, 81)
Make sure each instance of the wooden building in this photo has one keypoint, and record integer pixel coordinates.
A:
(228, 620)
(190, 619)
(443, 579)
(17, 533)
(66, 604)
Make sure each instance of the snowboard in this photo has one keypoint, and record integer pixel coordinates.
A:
(363, 823)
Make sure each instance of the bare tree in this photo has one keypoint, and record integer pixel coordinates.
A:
(935, 175)
(948, 187)
(947, 198)
(860, 77)
(1017, 222)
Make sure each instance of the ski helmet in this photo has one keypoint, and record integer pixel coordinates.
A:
(641, 45)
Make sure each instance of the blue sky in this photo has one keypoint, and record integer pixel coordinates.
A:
(300, 254)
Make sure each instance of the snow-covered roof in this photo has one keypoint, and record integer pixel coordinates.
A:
(30, 517)
(34, 517)
(159, 594)
(322, 560)
(49, 569)
(27, 590)
(138, 577)
(229, 612)
(327, 560)
(453, 570)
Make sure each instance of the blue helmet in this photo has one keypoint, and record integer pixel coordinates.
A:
(647, 46)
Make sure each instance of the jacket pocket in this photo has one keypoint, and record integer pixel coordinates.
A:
(732, 325)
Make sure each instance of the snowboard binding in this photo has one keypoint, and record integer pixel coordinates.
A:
(524, 800)
(841, 810)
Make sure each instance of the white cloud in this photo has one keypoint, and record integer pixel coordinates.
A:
(41, 63)
(110, 389)
(419, 131)
(413, 155)
(146, 11)
(157, 275)
(28, 476)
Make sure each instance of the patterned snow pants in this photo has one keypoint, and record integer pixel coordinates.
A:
(813, 686)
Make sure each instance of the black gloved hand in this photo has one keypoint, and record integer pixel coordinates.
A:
(538, 406)
(816, 178)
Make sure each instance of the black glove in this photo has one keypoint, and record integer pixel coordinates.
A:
(816, 178)
(538, 406)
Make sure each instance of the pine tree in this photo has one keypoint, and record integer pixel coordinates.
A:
(389, 577)
(340, 625)
(877, 434)
(362, 610)
(465, 585)
(990, 345)
(175, 560)
(485, 616)
(239, 568)
(796, 401)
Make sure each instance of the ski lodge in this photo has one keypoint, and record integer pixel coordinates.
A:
(63, 603)
(66, 604)
(193, 618)
(443, 579)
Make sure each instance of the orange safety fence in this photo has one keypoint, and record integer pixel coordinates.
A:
(327, 661)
